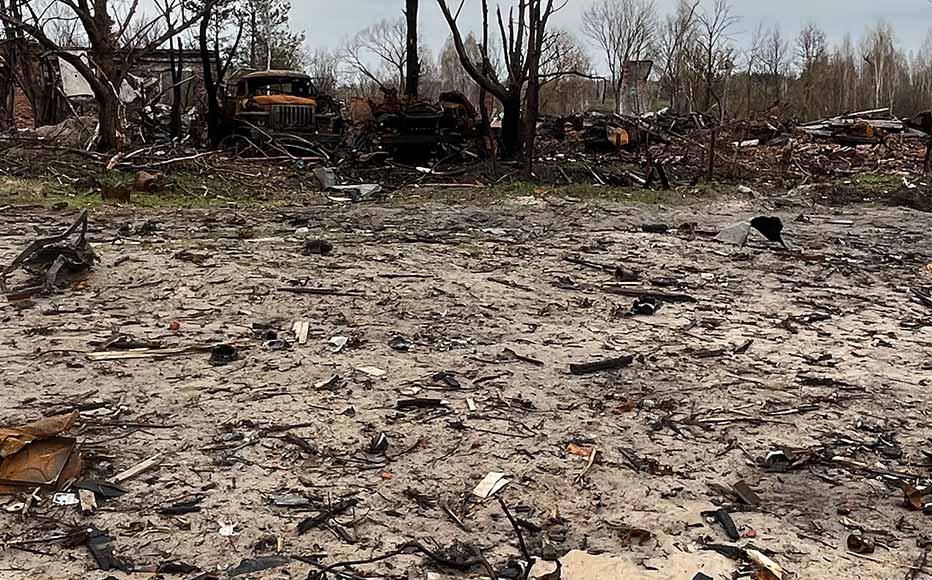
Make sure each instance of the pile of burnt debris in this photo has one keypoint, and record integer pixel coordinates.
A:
(378, 145)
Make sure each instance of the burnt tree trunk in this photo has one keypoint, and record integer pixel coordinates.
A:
(177, 72)
(215, 71)
(412, 82)
(109, 121)
(107, 89)
(711, 168)
(532, 98)
(211, 84)
(512, 125)
(253, 33)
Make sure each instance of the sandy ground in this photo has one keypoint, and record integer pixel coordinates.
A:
(468, 288)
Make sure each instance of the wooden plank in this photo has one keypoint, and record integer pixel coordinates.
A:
(138, 469)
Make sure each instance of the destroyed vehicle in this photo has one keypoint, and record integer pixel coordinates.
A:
(411, 132)
(283, 102)
(421, 129)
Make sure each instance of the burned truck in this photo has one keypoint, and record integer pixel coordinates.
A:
(283, 110)
(274, 103)
(420, 129)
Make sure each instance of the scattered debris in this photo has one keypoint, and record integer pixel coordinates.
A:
(644, 306)
(138, 469)
(326, 514)
(405, 404)
(769, 570)
(624, 275)
(747, 495)
(177, 568)
(724, 519)
(771, 228)
(52, 260)
(655, 228)
(88, 502)
(374, 372)
(65, 499)
(860, 545)
(100, 545)
(302, 430)
(915, 497)
(338, 343)
(36, 455)
(146, 182)
(227, 529)
(646, 293)
(317, 248)
(302, 330)
(491, 485)
(100, 489)
(603, 365)
(223, 354)
(399, 343)
(257, 565)
(191, 506)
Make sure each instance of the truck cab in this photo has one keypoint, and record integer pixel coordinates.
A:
(283, 102)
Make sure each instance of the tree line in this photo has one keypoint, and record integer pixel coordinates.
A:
(516, 66)
(702, 61)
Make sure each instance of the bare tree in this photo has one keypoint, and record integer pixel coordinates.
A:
(454, 77)
(624, 31)
(843, 76)
(714, 47)
(111, 55)
(539, 14)
(452, 73)
(323, 66)
(507, 91)
(879, 53)
(217, 54)
(810, 45)
(430, 83)
(175, 64)
(752, 61)
(384, 43)
(413, 66)
(811, 54)
(922, 67)
(677, 36)
(775, 60)
(566, 70)
(268, 36)
(31, 67)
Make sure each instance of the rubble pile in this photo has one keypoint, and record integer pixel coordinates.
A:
(394, 144)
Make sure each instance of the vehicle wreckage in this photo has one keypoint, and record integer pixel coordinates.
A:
(282, 103)
(287, 108)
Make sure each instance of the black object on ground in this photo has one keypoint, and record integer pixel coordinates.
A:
(223, 354)
(771, 228)
(602, 365)
(317, 247)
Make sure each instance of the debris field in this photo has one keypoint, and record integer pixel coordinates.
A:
(439, 391)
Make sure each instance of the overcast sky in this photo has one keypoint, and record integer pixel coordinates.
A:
(328, 22)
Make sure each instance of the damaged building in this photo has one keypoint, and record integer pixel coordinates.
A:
(43, 89)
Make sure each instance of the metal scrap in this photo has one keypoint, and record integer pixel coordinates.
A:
(52, 260)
